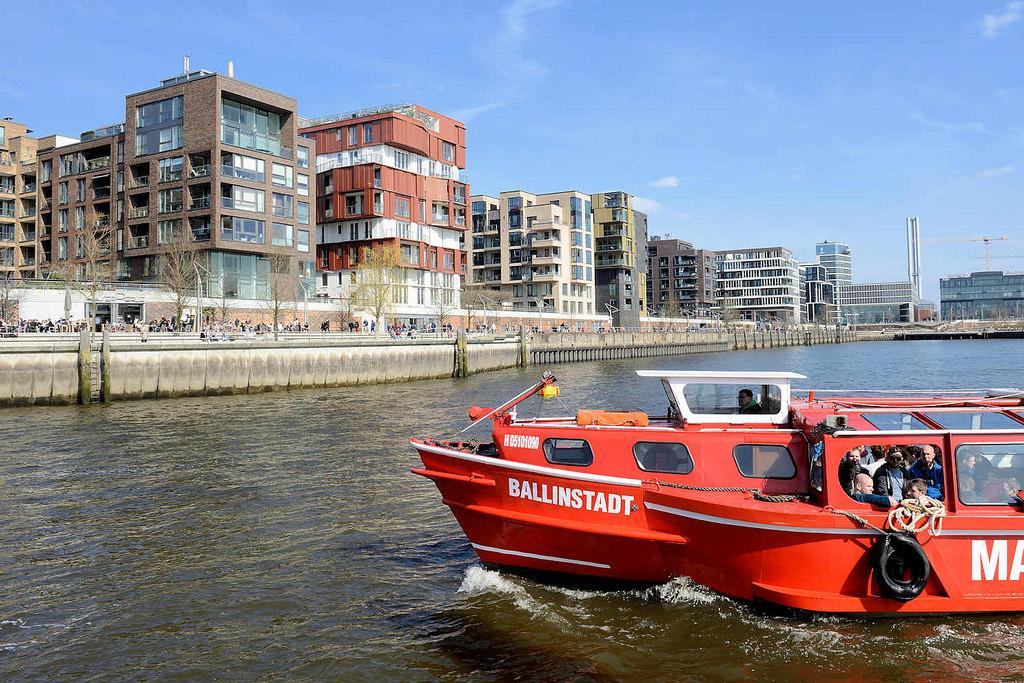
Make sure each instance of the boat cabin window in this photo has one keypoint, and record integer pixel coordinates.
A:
(989, 474)
(733, 398)
(764, 461)
(568, 452)
(974, 420)
(657, 456)
(894, 421)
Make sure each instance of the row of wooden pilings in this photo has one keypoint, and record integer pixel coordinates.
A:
(569, 348)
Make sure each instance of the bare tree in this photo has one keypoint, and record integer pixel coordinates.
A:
(9, 296)
(728, 311)
(93, 273)
(378, 279)
(481, 299)
(179, 265)
(282, 287)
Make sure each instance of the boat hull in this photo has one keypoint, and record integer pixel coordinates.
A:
(794, 554)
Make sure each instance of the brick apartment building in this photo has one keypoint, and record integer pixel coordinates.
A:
(392, 175)
(202, 153)
(680, 279)
(17, 201)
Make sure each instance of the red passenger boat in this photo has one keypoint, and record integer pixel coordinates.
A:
(745, 494)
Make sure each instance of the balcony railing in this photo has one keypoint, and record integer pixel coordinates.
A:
(328, 214)
(170, 207)
(168, 176)
(140, 242)
(102, 222)
(96, 164)
(28, 213)
(200, 203)
(101, 193)
(199, 171)
(140, 181)
(29, 236)
(139, 212)
(231, 171)
(28, 187)
(43, 234)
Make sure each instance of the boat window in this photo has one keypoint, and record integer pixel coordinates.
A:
(989, 474)
(657, 456)
(725, 399)
(974, 420)
(894, 421)
(814, 453)
(764, 461)
(568, 452)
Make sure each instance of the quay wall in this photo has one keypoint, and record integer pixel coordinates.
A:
(49, 370)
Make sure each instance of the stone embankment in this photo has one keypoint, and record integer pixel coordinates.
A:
(54, 370)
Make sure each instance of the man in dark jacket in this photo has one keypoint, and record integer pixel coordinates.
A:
(892, 477)
(929, 469)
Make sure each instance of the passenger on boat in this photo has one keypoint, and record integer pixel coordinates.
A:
(849, 468)
(969, 492)
(862, 492)
(892, 477)
(929, 469)
(867, 458)
(1000, 490)
(747, 402)
(917, 489)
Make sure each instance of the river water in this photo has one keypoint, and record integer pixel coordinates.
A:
(282, 537)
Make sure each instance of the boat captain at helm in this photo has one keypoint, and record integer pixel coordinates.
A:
(747, 402)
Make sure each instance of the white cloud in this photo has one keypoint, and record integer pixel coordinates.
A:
(467, 114)
(668, 181)
(996, 172)
(992, 24)
(646, 205)
(949, 126)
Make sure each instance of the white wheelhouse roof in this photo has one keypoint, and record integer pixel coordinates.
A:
(675, 382)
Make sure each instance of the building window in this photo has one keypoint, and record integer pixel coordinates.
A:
(243, 125)
(352, 136)
(242, 198)
(80, 190)
(282, 235)
(238, 229)
(156, 113)
(401, 160)
(166, 230)
(302, 157)
(302, 240)
(62, 192)
(353, 204)
(169, 201)
(401, 207)
(283, 205)
(243, 167)
(302, 184)
(170, 169)
(302, 214)
(281, 175)
(367, 132)
(447, 151)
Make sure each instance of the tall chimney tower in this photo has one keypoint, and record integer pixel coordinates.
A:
(914, 256)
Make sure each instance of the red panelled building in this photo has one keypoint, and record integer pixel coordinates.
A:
(392, 174)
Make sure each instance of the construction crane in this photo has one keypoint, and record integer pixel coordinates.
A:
(986, 240)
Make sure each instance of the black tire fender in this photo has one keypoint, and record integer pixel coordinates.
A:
(901, 565)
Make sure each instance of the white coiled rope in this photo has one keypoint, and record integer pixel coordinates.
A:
(916, 515)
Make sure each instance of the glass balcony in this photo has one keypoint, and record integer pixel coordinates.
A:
(241, 173)
(199, 171)
(200, 203)
(140, 181)
(139, 212)
(140, 242)
(29, 236)
(170, 207)
(101, 193)
(28, 188)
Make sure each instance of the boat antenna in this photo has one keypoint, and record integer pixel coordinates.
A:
(545, 379)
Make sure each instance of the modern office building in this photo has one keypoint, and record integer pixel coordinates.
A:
(878, 303)
(837, 260)
(202, 154)
(985, 295)
(537, 249)
(620, 250)
(760, 284)
(392, 175)
(18, 207)
(817, 295)
(680, 279)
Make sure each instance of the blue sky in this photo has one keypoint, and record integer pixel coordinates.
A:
(735, 123)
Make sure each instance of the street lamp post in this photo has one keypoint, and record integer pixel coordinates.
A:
(199, 298)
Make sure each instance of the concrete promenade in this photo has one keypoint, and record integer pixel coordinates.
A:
(55, 369)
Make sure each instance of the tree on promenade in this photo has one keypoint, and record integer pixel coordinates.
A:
(477, 299)
(179, 264)
(282, 287)
(442, 300)
(728, 311)
(378, 277)
(9, 297)
(94, 274)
